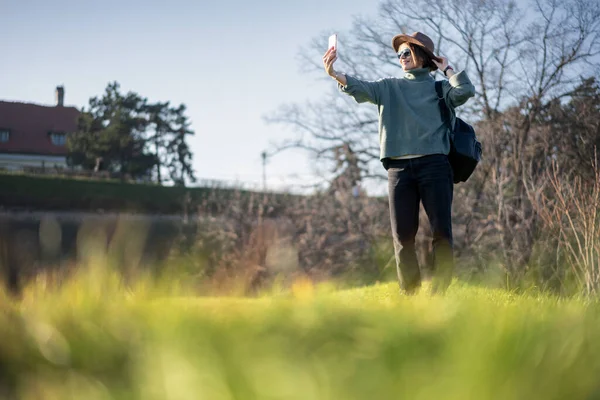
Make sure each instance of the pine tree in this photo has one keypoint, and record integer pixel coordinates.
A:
(133, 137)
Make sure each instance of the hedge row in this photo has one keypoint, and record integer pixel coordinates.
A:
(28, 192)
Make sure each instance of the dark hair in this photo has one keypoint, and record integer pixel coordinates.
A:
(421, 57)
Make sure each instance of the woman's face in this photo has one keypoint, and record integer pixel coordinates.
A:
(406, 59)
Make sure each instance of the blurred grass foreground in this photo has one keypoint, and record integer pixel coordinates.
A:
(249, 299)
(95, 336)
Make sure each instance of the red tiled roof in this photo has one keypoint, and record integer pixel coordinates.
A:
(30, 125)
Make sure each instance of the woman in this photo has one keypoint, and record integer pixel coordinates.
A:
(414, 147)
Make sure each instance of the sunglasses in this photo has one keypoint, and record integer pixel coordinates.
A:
(404, 54)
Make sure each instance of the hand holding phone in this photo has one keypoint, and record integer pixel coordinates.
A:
(330, 57)
(333, 41)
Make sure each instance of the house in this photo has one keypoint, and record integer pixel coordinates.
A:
(33, 135)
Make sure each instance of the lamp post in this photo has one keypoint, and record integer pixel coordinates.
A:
(264, 165)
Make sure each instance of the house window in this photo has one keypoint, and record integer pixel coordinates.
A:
(58, 138)
(4, 135)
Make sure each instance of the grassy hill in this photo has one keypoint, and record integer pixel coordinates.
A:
(97, 339)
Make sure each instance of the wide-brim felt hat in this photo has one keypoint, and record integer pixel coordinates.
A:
(418, 38)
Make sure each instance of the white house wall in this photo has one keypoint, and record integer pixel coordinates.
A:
(16, 162)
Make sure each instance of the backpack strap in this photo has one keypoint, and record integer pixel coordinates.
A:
(442, 104)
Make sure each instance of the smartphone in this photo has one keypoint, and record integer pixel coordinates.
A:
(333, 41)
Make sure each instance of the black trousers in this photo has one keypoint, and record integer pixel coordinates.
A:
(428, 180)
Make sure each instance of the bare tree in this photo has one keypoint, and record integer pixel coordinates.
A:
(522, 58)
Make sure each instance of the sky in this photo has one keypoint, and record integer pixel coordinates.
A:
(230, 62)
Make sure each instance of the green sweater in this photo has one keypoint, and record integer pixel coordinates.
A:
(409, 116)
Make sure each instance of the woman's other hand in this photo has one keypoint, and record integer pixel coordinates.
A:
(441, 65)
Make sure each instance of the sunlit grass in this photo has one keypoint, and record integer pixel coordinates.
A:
(97, 337)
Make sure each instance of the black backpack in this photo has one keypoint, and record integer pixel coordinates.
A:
(465, 150)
